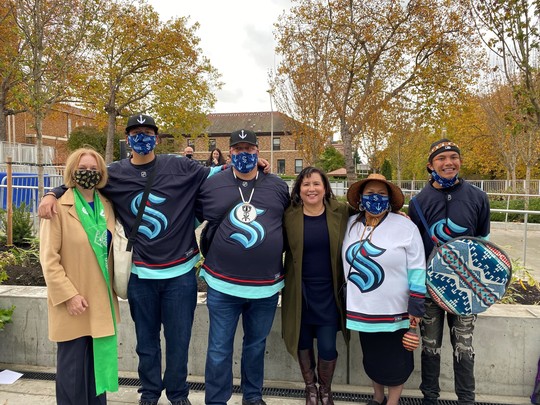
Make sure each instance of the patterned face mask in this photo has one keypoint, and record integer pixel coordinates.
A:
(87, 179)
(244, 162)
(375, 203)
(442, 181)
(142, 143)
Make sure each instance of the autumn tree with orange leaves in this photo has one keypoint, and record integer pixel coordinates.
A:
(357, 56)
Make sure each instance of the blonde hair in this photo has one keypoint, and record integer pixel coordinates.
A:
(72, 164)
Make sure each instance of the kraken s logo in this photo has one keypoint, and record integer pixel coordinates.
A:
(153, 221)
(444, 230)
(250, 234)
(369, 275)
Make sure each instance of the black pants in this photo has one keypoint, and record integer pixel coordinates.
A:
(75, 382)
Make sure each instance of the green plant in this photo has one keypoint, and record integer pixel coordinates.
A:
(6, 258)
(26, 256)
(521, 283)
(517, 204)
(22, 227)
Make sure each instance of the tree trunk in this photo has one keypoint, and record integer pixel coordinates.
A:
(38, 122)
(347, 151)
(111, 129)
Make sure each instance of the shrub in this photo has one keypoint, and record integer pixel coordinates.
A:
(521, 283)
(22, 225)
(518, 204)
(6, 258)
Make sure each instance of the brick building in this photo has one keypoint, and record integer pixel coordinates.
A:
(57, 127)
(271, 128)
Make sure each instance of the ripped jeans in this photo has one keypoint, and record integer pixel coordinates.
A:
(461, 334)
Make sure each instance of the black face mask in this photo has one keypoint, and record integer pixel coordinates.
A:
(87, 179)
(189, 156)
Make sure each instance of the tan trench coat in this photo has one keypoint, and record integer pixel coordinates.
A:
(337, 215)
(70, 267)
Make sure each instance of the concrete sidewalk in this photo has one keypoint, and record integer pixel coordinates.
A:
(26, 392)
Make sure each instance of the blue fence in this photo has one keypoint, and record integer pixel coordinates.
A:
(25, 189)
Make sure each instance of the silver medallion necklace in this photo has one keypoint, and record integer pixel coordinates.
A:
(246, 212)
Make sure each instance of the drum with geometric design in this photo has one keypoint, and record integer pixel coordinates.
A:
(467, 275)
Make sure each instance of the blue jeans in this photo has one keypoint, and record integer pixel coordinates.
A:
(257, 317)
(461, 334)
(170, 302)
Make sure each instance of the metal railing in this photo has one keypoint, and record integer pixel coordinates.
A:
(25, 191)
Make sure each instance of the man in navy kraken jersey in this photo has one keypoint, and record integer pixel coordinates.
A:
(452, 207)
(162, 287)
(243, 267)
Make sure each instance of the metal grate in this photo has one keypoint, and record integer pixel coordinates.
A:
(267, 391)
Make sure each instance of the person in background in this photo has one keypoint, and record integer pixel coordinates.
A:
(243, 267)
(315, 225)
(452, 207)
(188, 152)
(82, 306)
(385, 269)
(215, 159)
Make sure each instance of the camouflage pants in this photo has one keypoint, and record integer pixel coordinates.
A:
(461, 335)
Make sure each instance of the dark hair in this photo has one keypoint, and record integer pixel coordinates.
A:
(210, 161)
(307, 172)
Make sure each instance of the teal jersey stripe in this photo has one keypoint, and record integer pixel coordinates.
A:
(417, 280)
(170, 272)
(377, 327)
(241, 291)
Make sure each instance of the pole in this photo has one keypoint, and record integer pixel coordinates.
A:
(271, 133)
(9, 202)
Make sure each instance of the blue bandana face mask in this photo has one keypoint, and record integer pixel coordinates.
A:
(141, 143)
(244, 162)
(375, 203)
(442, 181)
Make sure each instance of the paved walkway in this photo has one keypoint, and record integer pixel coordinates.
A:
(27, 392)
(511, 238)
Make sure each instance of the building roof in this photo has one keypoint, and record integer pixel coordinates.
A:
(342, 172)
(258, 122)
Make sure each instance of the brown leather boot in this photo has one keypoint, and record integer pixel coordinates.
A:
(306, 359)
(325, 369)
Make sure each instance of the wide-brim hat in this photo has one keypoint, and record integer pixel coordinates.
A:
(354, 195)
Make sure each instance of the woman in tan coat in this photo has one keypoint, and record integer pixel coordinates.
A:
(315, 225)
(82, 307)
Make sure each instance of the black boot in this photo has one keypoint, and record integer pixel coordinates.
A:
(325, 369)
(306, 359)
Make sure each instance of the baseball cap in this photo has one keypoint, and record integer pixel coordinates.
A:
(141, 120)
(243, 135)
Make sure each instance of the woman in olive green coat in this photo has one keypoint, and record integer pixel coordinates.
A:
(315, 225)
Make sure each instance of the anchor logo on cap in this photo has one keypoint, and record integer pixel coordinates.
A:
(141, 120)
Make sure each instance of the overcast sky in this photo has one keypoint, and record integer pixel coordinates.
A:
(237, 37)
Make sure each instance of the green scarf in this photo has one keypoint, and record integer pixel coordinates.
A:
(105, 348)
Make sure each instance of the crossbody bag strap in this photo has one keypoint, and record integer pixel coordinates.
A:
(418, 209)
(140, 211)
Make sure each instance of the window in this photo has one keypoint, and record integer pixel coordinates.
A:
(281, 166)
(298, 163)
(276, 144)
(191, 142)
(211, 145)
